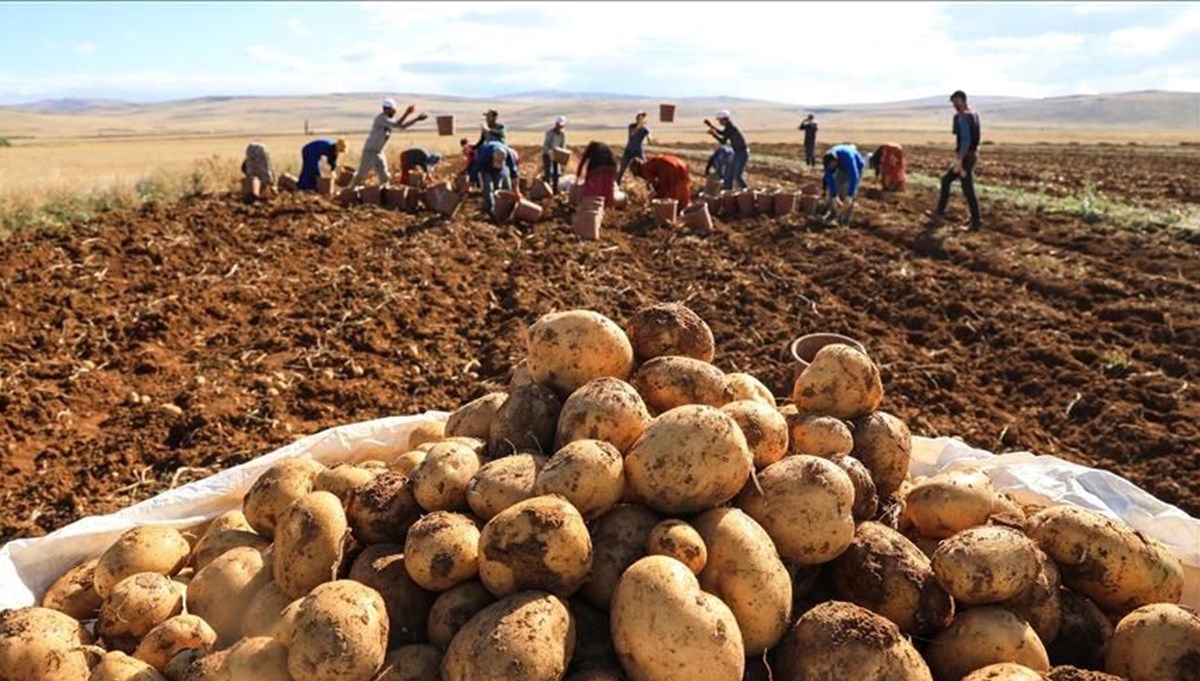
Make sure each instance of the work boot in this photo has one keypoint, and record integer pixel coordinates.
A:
(972, 227)
(934, 218)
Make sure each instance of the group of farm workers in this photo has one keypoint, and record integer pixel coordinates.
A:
(491, 165)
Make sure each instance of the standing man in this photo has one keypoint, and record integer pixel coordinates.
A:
(731, 135)
(310, 157)
(967, 137)
(635, 147)
(491, 129)
(843, 171)
(556, 138)
(718, 163)
(667, 175)
(496, 169)
(417, 158)
(809, 126)
(377, 139)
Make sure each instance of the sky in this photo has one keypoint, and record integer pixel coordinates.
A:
(798, 53)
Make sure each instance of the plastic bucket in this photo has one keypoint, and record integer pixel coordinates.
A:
(805, 348)
(729, 204)
(344, 175)
(785, 203)
(576, 194)
(442, 199)
(445, 125)
(665, 210)
(588, 217)
(712, 186)
(288, 182)
(372, 195)
(540, 191)
(412, 199)
(561, 156)
(666, 113)
(325, 186)
(506, 204)
(416, 178)
(808, 204)
(395, 197)
(764, 203)
(745, 203)
(349, 196)
(527, 211)
(697, 217)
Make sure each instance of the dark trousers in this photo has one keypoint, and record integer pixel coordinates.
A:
(550, 171)
(810, 153)
(968, 188)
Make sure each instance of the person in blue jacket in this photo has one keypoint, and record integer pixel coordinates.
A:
(311, 156)
(496, 168)
(843, 171)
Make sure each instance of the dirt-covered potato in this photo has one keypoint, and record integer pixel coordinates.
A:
(1006, 511)
(117, 666)
(745, 572)
(1159, 642)
(194, 665)
(671, 381)
(442, 550)
(264, 612)
(766, 430)
(884, 444)
(134, 606)
(477, 445)
(567, 349)
(40, 644)
(407, 462)
(474, 419)
(841, 382)
(420, 662)
(501, 483)
(220, 592)
(666, 628)
(948, 503)
(987, 564)
(838, 640)
(440, 482)
(178, 633)
(310, 541)
(588, 473)
(1041, 603)
(341, 480)
(805, 506)
(689, 459)
(1004, 671)
(866, 498)
(532, 632)
(214, 544)
(1069, 673)
(1106, 560)
(669, 329)
(741, 386)
(453, 608)
(606, 409)
(519, 375)
(618, 541)
(425, 433)
(678, 540)
(382, 568)
(1083, 632)
(984, 635)
(340, 633)
(147, 548)
(541, 543)
(258, 659)
(73, 593)
(275, 490)
(887, 574)
(525, 422)
(383, 509)
(818, 435)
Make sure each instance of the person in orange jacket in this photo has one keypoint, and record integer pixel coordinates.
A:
(888, 163)
(667, 175)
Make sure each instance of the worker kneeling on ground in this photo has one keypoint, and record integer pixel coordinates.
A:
(381, 130)
(843, 171)
(496, 169)
(258, 164)
(417, 158)
(310, 157)
(667, 175)
(888, 163)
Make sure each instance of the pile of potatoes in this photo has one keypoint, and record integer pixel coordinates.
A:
(625, 510)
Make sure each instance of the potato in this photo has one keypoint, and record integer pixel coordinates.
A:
(669, 329)
(193, 665)
(1107, 561)
(587, 473)
(342, 479)
(501, 483)
(412, 663)
(986, 564)
(740, 386)
(948, 503)
(519, 376)
(665, 628)
(838, 640)
(340, 633)
(567, 349)
(841, 382)
(148, 548)
(887, 574)
(765, 429)
(407, 462)
(477, 445)
(442, 550)
(1083, 632)
(525, 422)
(258, 659)
(221, 591)
(178, 633)
(678, 540)
(541, 543)
(981, 636)
(453, 608)
(287, 622)
(866, 500)
(310, 542)
(745, 572)
(1041, 603)
(805, 507)
(884, 444)
(264, 613)
(40, 644)
(425, 432)
(474, 419)
(606, 409)
(383, 509)
(134, 606)
(618, 541)
(817, 435)
(1004, 671)
(670, 381)
(117, 666)
(529, 635)
(1159, 642)
(275, 490)
(382, 567)
(229, 520)
(1069, 673)
(73, 593)
(440, 482)
(1006, 511)
(689, 459)
(214, 544)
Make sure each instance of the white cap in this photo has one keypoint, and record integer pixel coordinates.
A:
(640, 113)
(723, 113)
(561, 120)
(389, 104)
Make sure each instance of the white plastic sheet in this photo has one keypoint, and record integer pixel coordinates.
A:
(28, 566)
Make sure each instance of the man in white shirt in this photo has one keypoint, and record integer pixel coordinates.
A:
(381, 130)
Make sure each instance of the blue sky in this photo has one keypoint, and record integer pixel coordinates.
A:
(803, 53)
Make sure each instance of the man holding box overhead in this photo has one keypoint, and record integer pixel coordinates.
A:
(635, 147)
(377, 139)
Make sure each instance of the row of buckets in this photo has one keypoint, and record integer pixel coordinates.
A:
(445, 122)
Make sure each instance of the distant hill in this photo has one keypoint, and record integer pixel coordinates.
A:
(70, 105)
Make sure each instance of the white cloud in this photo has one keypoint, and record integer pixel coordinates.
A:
(84, 48)
(1153, 40)
(297, 28)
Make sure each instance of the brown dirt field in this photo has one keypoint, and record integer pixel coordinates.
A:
(1081, 341)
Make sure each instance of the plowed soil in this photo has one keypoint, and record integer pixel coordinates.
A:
(246, 326)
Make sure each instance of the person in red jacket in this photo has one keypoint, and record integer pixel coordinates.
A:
(888, 163)
(667, 175)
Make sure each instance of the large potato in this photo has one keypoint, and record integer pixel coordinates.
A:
(866, 498)
(221, 591)
(258, 659)
(1159, 642)
(529, 635)
(588, 473)
(148, 548)
(171, 636)
(981, 636)
(341, 480)
(382, 567)
(986, 564)
(40, 644)
(541, 543)
(382, 509)
(525, 422)
(745, 572)
(264, 613)
(567, 349)
(1083, 632)
(474, 419)
(678, 540)
(134, 606)
(766, 430)
(193, 665)
(689, 459)
(1041, 603)
(214, 544)
(618, 541)
(665, 628)
(117, 666)
(805, 506)
(741, 386)
(440, 482)
(1005, 671)
(606, 409)
(884, 444)
(340, 634)
(838, 640)
(841, 382)
(948, 503)
(407, 462)
(412, 663)
(1106, 560)
(818, 435)
(442, 550)
(887, 574)
(453, 608)
(671, 381)
(669, 329)
(501, 483)
(74, 593)
(275, 490)
(310, 541)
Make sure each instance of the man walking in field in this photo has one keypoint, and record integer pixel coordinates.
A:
(967, 137)
(635, 147)
(731, 135)
(310, 158)
(556, 138)
(809, 126)
(381, 130)
(843, 172)
(667, 175)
